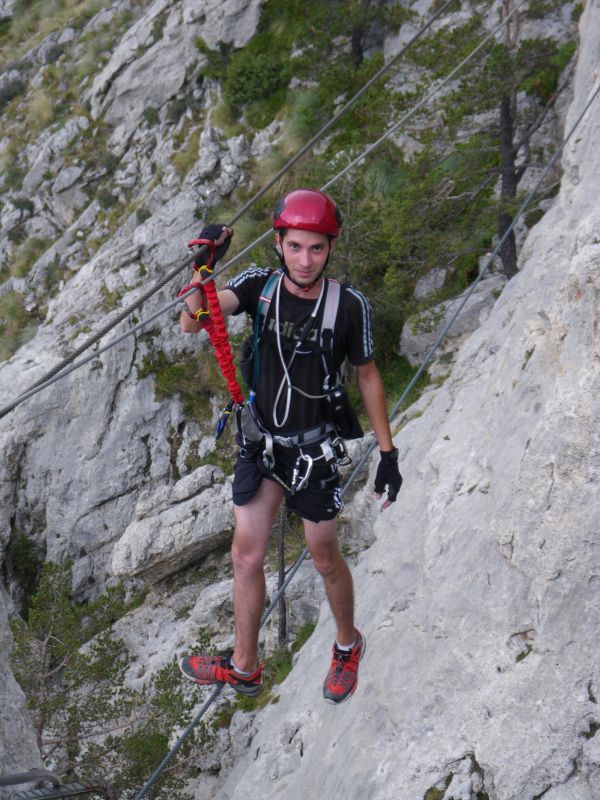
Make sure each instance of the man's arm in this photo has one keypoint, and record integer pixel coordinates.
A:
(373, 396)
(228, 300)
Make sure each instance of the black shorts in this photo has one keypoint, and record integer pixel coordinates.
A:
(318, 501)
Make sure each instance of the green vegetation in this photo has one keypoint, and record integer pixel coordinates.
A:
(72, 671)
(33, 20)
(26, 256)
(11, 171)
(151, 116)
(295, 38)
(184, 159)
(40, 112)
(195, 378)
(16, 325)
(26, 559)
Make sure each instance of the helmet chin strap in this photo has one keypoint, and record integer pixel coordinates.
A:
(287, 273)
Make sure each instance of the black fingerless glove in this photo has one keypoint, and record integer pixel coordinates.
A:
(388, 475)
(212, 232)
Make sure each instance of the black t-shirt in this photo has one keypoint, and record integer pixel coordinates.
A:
(282, 410)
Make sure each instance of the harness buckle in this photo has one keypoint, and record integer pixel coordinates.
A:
(301, 474)
(341, 452)
(268, 458)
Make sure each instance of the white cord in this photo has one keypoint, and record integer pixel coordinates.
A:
(286, 381)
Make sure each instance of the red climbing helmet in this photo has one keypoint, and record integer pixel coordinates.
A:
(308, 210)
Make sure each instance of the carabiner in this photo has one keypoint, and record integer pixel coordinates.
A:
(300, 475)
(223, 419)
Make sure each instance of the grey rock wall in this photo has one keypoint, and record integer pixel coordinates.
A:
(480, 596)
(89, 470)
(18, 749)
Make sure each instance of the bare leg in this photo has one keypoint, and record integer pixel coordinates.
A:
(321, 540)
(253, 523)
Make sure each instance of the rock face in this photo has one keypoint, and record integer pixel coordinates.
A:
(18, 750)
(480, 597)
(421, 332)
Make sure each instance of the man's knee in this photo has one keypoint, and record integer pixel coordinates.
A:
(247, 556)
(328, 561)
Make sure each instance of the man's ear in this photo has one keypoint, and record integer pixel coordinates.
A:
(332, 243)
(278, 243)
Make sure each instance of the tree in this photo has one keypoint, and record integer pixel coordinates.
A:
(519, 80)
(72, 670)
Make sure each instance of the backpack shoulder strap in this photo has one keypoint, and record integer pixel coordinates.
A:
(262, 310)
(332, 304)
(264, 301)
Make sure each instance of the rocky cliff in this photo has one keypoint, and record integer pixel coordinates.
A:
(478, 597)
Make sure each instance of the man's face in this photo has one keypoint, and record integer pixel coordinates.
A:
(305, 254)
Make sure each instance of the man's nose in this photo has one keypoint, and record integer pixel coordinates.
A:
(305, 259)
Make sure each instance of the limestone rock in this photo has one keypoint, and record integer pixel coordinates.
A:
(230, 21)
(126, 86)
(48, 155)
(176, 527)
(6, 9)
(420, 332)
(430, 283)
(19, 751)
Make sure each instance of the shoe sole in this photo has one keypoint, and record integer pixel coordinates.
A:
(250, 691)
(333, 702)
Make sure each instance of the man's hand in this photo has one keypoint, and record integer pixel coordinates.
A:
(388, 475)
(221, 235)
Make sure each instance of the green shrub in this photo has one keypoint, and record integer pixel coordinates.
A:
(10, 90)
(26, 256)
(142, 214)
(109, 161)
(15, 325)
(151, 116)
(106, 199)
(176, 109)
(24, 204)
(11, 171)
(542, 61)
(196, 379)
(72, 670)
(254, 76)
(27, 559)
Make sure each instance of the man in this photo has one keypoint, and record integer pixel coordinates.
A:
(289, 431)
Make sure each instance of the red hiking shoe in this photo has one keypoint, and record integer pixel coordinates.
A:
(217, 669)
(341, 680)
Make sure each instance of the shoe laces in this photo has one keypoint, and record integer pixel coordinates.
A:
(341, 656)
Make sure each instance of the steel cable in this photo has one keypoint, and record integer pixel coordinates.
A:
(40, 386)
(122, 315)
